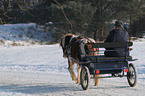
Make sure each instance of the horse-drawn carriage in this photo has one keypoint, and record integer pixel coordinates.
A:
(92, 63)
(115, 66)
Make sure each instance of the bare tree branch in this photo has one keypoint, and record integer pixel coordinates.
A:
(26, 3)
(22, 8)
(1, 21)
(64, 13)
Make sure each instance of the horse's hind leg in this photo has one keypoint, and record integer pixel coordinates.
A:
(96, 81)
(78, 71)
(70, 69)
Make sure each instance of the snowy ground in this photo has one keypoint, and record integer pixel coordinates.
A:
(40, 70)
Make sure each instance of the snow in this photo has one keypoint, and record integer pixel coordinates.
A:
(41, 70)
(23, 34)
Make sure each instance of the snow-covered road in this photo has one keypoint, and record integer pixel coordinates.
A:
(42, 71)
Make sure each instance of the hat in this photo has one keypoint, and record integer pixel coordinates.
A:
(117, 23)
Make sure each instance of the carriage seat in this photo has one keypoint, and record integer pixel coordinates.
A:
(100, 53)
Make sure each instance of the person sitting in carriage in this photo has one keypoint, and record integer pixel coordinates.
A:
(118, 34)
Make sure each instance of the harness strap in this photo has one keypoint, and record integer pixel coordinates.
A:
(73, 39)
(83, 42)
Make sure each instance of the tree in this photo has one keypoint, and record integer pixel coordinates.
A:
(109, 10)
(79, 15)
(89, 17)
(131, 11)
(72, 16)
(102, 15)
(15, 11)
(75, 17)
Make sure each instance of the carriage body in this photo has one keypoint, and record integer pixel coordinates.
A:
(101, 64)
(114, 66)
(107, 67)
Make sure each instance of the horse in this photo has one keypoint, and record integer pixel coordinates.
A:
(76, 46)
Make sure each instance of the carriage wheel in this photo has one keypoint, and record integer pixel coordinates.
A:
(84, 78)
(132, 75)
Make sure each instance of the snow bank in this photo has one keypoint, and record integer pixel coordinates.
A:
(23, 34)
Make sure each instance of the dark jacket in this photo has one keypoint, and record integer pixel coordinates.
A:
(116, 35)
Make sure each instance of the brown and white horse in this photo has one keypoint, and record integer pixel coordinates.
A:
(76, 46)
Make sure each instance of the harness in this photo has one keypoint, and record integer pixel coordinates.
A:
(73, 39)
(82, 41)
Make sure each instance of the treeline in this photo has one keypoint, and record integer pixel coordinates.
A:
(91, 18)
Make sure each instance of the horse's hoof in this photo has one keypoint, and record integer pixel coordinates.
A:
(75, 81)
(78, 83)
(96, 85)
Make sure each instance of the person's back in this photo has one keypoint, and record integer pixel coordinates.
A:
(116, 35)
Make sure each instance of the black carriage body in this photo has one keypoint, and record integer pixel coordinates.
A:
(107, 67)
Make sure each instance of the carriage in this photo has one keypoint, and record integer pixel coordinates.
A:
(112, 66)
